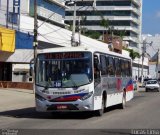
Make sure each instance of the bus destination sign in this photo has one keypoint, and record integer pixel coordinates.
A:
(66, 55)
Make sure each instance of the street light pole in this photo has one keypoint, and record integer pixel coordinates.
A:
(7, 13)
(73, 43)
(35, 42)
(79, 30)
(143, 52)
(157, 74)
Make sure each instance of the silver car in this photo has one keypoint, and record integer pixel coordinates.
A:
(152, 85)
(145, 81)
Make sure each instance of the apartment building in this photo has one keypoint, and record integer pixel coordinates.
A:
(125, 16)
(154, 53)
(16, 34)
(12, 10)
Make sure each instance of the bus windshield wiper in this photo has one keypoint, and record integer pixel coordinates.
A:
(74, 84)
(46, 86)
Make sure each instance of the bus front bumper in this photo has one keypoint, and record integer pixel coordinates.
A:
(46, 106)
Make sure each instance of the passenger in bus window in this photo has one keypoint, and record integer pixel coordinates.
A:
(56, 74)
(95, 73)
(110, 69)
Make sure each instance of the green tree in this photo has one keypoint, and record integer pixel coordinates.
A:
(105, 24)
(93, 34)
(132, 53)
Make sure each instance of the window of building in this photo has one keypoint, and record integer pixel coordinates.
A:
(13, 18)
(84, 3)
(113, 3)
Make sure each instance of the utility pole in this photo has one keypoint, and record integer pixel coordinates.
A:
(7, 12)
(79, 29)
(73, 43)
(35, 42)
(157, 74)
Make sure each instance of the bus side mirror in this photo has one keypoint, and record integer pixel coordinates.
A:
(31, 69)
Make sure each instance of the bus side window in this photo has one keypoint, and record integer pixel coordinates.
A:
(126, 68)
(117, 67)
(129, 68)
(122, 68)
(107, 64)
(96, 67)
(104, 65)
(111, 66)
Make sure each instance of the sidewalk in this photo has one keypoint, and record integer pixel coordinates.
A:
(139, 84)
(12, 99)
(18, 90)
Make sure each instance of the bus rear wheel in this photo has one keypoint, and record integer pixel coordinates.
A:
(101, 111)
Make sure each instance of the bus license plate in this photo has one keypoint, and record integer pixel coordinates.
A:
(61, 107)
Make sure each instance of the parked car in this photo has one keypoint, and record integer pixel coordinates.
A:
(152, 85)
(145, 81)
(135, 86)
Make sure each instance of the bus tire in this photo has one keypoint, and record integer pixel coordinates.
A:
(123, 104)
(101, 111)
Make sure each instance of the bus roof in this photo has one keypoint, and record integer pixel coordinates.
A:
(83, 48)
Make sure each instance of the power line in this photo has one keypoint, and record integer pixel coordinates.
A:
(51, 32)
(50, 15)
(54, 37)
(57, 32)
(153, 48)
(52, 41)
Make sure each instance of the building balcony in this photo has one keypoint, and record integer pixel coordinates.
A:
(114, 18)
(58, 2)
(133, 39)
(107, 8)
(121, 28)
(137, 2)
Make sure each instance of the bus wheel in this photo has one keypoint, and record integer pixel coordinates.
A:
(123, 104)
(101, 111)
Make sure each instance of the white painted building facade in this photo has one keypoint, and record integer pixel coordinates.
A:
(123, 15)
(153, 52)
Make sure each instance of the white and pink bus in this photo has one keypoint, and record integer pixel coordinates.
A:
(82, 79)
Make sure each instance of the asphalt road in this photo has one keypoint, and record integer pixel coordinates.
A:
(17, 112)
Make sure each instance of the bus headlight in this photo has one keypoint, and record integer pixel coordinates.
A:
(87, 96)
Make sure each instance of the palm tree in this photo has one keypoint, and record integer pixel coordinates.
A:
(122, 34)
(132, 53)
(105, 24)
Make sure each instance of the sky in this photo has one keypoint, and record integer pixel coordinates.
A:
(151, 17)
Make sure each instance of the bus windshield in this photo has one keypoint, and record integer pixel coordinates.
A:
(65, 70)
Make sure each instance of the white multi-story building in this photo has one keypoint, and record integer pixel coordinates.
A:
(123, 15)
(15, 65)
(18, 15)
(152, 50)
(12, 10)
